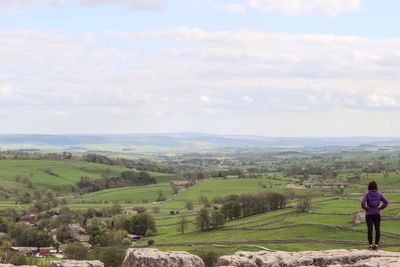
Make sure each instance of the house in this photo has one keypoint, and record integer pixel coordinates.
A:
(181, 182)
(325, 185)
(26, 250)
(36, 251)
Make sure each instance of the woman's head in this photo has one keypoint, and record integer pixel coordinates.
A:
(372, 186)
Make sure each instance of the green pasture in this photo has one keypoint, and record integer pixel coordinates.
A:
(50, 173)
(134, 194)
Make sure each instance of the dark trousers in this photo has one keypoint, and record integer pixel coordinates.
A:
(373, 220)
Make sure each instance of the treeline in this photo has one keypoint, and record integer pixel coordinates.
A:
(306, 171)
(236, 206)
(126, 178)
(139, 164)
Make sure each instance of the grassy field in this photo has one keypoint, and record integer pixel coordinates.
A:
(328, 225)
(138, 194)
(50, 173)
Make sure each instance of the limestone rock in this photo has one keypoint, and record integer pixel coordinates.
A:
(329, 258)
(73, 263)
(156, 258)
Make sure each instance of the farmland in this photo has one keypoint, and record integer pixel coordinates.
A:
(329, 222)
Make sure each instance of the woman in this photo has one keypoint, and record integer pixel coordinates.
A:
(370, 203)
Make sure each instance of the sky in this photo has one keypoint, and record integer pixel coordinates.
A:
(259, 67)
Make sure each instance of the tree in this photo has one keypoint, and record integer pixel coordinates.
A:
(139, 209)
(189, 205)
(95, 234)
(217, 219)
(110, 256)
(161, 196)
(182, 224)
(231, 209)
(203, 199)
(175, 189)
(76, 252)
(203, 219)
(140, 224)
(304, 204)
(63, 233)
(113, 238)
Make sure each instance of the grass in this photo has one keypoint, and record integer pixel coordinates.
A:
(137, 194)
(51, 173)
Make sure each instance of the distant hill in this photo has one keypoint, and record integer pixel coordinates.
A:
(182, 140)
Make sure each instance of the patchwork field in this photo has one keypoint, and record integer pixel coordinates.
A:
(50, 173)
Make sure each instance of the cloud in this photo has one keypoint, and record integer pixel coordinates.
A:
(248, 99)
(130, 4)
(7, 5)
(376, 100)
(295, 7)
(5, 90)
(205, 99)
(192, 73)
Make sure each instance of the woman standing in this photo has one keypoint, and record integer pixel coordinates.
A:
(370, 203)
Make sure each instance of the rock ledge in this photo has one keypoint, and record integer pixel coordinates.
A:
(156, 258)
(329, 258)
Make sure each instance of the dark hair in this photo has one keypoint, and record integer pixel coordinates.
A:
(372, 186)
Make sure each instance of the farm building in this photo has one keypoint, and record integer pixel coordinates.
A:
(181, 182)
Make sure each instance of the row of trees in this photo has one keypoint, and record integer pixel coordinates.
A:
(236, 206)
(126, 178)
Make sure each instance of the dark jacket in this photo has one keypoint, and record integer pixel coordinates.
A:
(371, 200)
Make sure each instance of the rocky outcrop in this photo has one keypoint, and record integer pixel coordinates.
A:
(329, 258)
(156, 258)
(73, 263)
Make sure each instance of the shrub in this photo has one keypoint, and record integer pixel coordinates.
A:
(76, 252)
(140, 224)
(209, 257)
(111, 257)
(150, 242)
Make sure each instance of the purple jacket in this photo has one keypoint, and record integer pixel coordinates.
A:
(371, 200)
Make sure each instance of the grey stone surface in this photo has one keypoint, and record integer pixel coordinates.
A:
(329, 258)
(73, 263)
(156, 258)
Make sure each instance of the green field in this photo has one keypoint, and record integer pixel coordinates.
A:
(50, 173)
(138, 194)
(328, 225)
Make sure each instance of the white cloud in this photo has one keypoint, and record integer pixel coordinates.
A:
(205, 99)
(248, 99)
(5, 90)
(376, 100)
(129, 4)
(295, 7)
(193, 72)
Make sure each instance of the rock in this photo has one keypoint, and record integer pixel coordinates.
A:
(359, 217)
(329, 258)
(73, 263)
(156, 258)
(10, 265)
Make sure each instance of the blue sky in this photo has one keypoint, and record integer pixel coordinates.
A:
(264, 67)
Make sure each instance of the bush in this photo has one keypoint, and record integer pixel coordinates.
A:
(150, 242)
(304, 204)
(209, 257)
(140, 224)
(139, 209)
(76, 252)
(111, 257)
